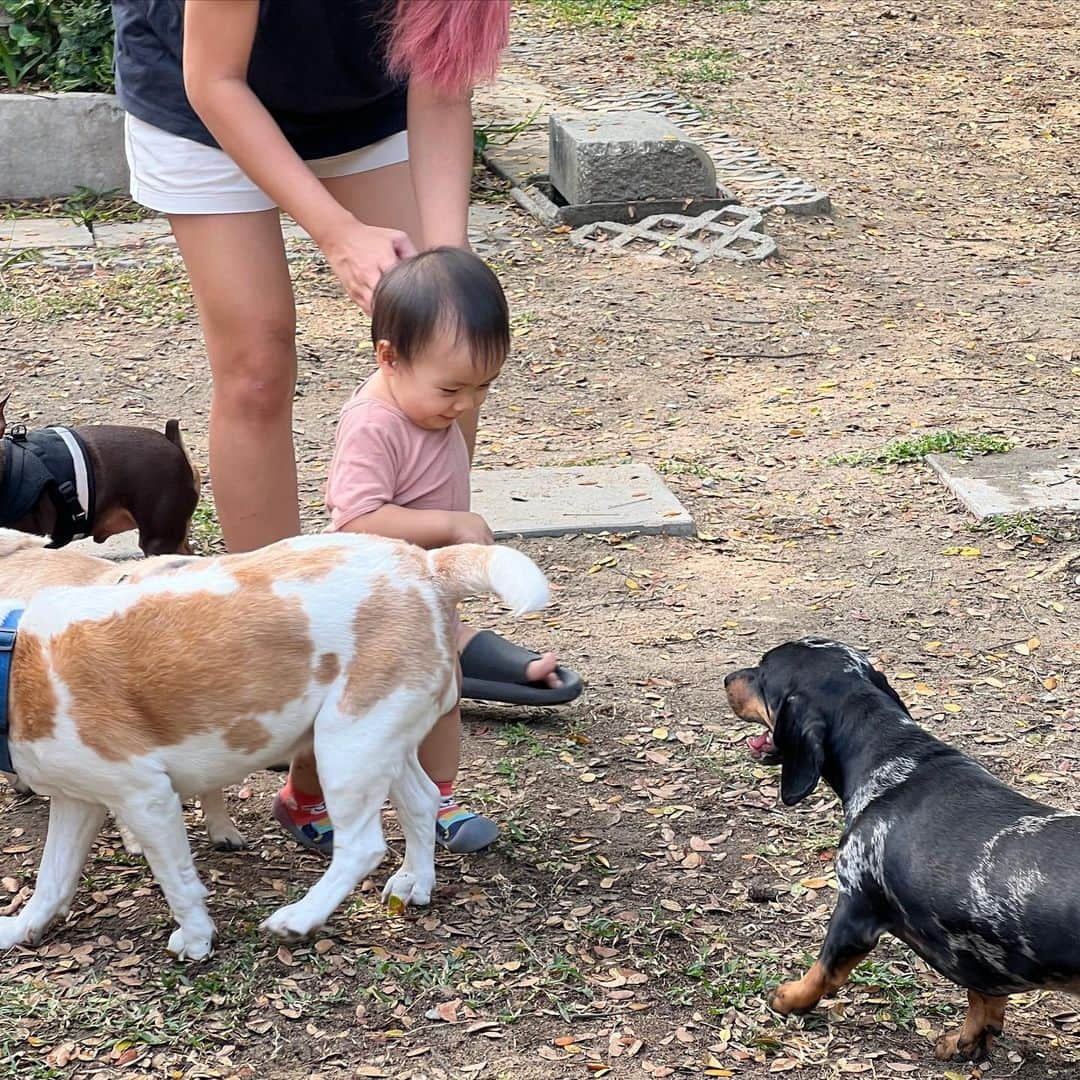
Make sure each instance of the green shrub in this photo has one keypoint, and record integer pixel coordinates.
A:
(61, 44)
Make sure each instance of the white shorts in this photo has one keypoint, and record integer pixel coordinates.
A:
(174, 175)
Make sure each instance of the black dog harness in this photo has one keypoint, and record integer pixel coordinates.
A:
(51, 460)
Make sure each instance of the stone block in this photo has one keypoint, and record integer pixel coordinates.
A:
(625, 156)
(1018, 482)
(51, 144)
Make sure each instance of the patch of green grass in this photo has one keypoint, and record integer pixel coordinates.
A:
(704, 64)
(507, 770)
(160, 292)
(620, 14)
(965, 444)
(501, 134)
(1030, 526)
(677, 466)
(726, 982)
(173, 1013)
(206, 536)
(610, 14)
(521, 737)
(83, 206)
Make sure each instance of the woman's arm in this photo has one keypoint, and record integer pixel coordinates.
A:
(441, 161)
(218, 37)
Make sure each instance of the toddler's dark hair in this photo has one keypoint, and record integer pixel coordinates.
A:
(445, 289)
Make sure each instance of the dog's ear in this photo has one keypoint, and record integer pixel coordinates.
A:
(3, 420)
(799, 736)
(882, 684)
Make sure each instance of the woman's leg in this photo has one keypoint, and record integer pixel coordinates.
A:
(240, 277)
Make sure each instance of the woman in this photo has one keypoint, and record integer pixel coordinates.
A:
(238, 107)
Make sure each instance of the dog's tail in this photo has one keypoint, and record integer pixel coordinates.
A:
(172, 433)
(479, 570)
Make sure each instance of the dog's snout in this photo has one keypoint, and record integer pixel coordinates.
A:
(727, 679)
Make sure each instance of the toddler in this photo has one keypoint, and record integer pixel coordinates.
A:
(441, 332)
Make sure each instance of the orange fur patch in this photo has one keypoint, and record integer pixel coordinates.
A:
(329, 668)
(262, 569)
(174, 666)
(32, 695)
(396, 647)
(25, 571)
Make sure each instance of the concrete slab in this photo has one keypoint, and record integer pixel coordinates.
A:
(589, 499)
(1013, 483)
(22, 234)
(125, 234)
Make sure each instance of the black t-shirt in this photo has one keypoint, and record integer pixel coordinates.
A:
(317, 65)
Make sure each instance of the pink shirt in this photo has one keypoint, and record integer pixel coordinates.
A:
(381, 456)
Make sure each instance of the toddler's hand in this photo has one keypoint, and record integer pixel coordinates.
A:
(469, 528)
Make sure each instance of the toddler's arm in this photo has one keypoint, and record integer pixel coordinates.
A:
(425, 528)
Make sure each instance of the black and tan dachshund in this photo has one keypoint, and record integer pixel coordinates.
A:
(982, 882)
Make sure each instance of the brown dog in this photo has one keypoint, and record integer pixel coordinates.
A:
(97, 481)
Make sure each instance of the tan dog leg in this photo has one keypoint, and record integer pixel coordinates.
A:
(803, 994)
(985, 1020)
(853, 932)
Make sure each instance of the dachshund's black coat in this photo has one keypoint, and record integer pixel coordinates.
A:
(982, 882)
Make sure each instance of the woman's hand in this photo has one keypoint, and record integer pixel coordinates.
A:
(360, 254)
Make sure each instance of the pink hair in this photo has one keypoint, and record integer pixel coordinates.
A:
(451, 44)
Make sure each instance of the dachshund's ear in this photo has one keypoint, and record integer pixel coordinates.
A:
(882, 683)
(799, 736)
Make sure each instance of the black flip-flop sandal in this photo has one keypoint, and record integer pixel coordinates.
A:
(493, 669)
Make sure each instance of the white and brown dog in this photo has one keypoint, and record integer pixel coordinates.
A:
(28, 565)
(129, 696)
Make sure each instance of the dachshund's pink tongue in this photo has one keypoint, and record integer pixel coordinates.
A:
(759, 744)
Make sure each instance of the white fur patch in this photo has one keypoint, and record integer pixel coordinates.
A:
(1003, 906)
(855, 662)
(884, 778)
(862, 855)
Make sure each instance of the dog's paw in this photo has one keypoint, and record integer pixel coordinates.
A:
(127, 838)
(230, 839)
(292, 922)
(186, 945)
(405, 889)
(791, 997)
(952, 1047)
(946, 1048)
(13, 932)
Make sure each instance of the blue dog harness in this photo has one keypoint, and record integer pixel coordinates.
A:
(8, 634)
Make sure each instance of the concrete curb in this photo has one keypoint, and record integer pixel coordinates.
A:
(53, 144)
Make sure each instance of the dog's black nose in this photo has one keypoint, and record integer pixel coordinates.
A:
(728, 677)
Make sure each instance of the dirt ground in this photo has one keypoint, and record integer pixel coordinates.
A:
(649, 888)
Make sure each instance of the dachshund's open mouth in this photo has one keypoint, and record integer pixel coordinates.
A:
(762, 749)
